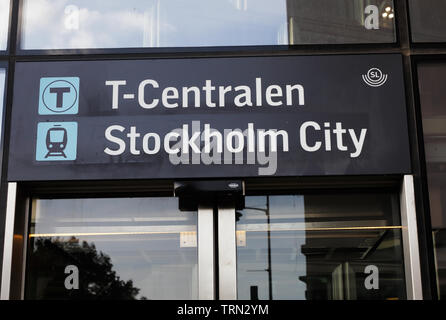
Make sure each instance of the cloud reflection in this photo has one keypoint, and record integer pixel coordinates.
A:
(152, 23)
(4, 23)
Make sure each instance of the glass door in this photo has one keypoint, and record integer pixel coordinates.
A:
(111, 248)
(336, 246)
(316, 246)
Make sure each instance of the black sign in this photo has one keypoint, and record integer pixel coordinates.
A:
(214, 117)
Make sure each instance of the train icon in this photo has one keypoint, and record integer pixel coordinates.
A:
(56, 141)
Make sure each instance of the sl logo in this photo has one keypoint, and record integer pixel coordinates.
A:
(374, 77)
(59, 96)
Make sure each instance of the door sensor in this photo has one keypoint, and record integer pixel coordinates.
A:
(191, 194)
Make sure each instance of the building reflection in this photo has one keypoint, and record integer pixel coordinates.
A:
(317, 247)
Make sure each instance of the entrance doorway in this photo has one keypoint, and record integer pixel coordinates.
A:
(307, 246)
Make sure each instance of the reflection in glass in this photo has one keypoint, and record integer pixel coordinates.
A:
(432, 77)
(132, 248)
(317, 247)
(340, 21)
(4, 23)
(91, 24)
(427, 20)
(2, 95)
(63, 24)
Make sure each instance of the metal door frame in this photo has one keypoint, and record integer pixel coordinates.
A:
(206, 254)
(217, 253)
(227, 253)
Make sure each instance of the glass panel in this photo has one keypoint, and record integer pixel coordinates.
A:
(427, 20)
(64, 24)
(341, 21)
(320, 247)
(4, 23)
(432, 77)
(127, 248)
(2, 96)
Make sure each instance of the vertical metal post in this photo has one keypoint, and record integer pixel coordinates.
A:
(227, 253)
(206, 254)
(270, 272)
(8, 242)
(410, 240)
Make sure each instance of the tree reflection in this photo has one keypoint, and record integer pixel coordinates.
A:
(97, 279)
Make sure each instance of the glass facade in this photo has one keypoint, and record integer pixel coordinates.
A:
(125, 248)
(154, 23)
(2, 97)
(4, 23)
(89, 24)
(2, 92)
(340, 21)
(432, 77)
(427, 18)
(319, 247)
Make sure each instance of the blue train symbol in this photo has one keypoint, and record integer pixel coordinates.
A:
(56, 141)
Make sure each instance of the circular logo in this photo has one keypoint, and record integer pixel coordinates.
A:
(59, 96)
(375, 74)
(374, 77)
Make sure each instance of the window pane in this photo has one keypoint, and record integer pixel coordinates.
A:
(427, 20)
(4, 23)
(432, 77)
(2, 96)
(341, 21)
(128, 248)
(320, 247)
(64, 24)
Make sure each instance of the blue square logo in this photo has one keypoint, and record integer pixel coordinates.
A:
(56, 141)
(59, 96)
